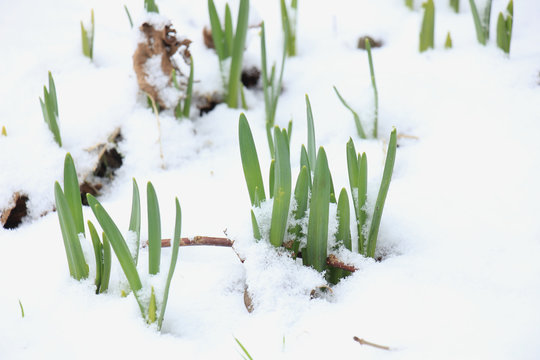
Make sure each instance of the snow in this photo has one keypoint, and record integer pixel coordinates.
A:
(460, 233)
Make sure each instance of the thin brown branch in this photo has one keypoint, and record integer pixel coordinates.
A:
(365, 342)
(200, 240)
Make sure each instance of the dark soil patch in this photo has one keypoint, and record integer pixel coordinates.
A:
(12, 217)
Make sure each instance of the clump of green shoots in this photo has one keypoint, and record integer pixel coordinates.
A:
(271, 89)
(481, 22)
(70, 215)
(288, 23)
(454, 4)
(87, 37)
(229, 44)
(182, 109)
(151, 310)
(315, 195)
(427, 31)
(49, 107)
(504, 28)
(150, 6)
(359, 127)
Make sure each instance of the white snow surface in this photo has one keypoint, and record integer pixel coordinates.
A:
(460, 230)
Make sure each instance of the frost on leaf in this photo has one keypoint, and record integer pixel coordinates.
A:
(158, 53)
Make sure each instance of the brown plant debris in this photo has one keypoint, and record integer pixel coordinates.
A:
(250, 77)
(11, 217)
(374, 43)
(365, 342)
(200, 240)
(207, 102)
(248, 301)
(207, 38)
(154, 61)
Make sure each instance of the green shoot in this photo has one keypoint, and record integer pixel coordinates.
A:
(174, 257)
(375, 92)
(504, 28)
(135, 219)
(357, 168)
(154, 231)
(301, 196)
(288, 23)
(229, 43)
(448, 42)
(129, 16)
(246, 354)
(310, 133)
(87, 37)
(343, 234)
(49, 107)
(359, 128)
(317, 236)
(72, 193)
(282, 189)
(454, 4)
(427, 32)
(4, 132)
(107, 259)
(182, 109)
(98, 254)
(150, 6)
(481, 24)
(250, 162)
(409, 4)
(152, 308)
(271, 89)
(78, 268)
(381, 197)
(22, 309)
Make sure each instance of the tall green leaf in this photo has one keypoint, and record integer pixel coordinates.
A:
(174, 257)
(427, 32)
(250, 162)
(118, 244)
(255, 227)
(311, 133)
(217, 31)
(282, 189)
(98, 254)
(343, 235)
(381, 197)
(238, 54)
(107, 260)
(135, 219)
(304, 161)
(189, 90)
(78, 268)
(359, 128)
(375, 92)
(154, 230)
(362, 199)
(317, 236)
(73, 193)
(228, 33)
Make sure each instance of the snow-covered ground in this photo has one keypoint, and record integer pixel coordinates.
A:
(460, 227)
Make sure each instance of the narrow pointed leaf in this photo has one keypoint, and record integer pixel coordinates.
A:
(118, 244)
(359, 128)
(361, 199)
(427, 32)
(154, 230)
(152, 308)
(174, 258)
(107, 260)
(77, 265)
(250, 161)
(381, 197)
(98, 254)
(272, 177)
(189, 90)
(255, 226)
(343, 235)
(282, 189)
(217, 32)
(311, 133)
(73, 193)
(238, 54)
(228, 33)
(135, 219)
(317, 236)
(304, 161)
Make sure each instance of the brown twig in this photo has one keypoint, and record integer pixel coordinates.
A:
(365, 342)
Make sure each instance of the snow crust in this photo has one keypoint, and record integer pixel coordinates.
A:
(459, 234)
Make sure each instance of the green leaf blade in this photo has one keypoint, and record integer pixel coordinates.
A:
(73, 194)
(235, 84)
(135, 218)
(250, 161)
(282, 189)
(154, 230)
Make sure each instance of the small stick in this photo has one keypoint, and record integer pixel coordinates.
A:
(365, 342)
